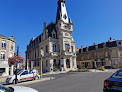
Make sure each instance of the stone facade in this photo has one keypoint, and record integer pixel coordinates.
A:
(7, 50)
(57, 43)
(108, 54)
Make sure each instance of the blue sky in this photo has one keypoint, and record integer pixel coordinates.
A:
(94, 20)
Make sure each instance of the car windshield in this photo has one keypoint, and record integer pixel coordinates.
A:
(19, 72)
(118, 74)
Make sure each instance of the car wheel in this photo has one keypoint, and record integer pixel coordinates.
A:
(14, 81)
(36, 78)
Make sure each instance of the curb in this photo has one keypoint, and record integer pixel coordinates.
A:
(99, 71)
(54, 73)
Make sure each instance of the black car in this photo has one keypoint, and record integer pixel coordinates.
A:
(6, 89)
(114, 83)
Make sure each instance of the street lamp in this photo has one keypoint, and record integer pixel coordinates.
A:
(16, 66)
(42, 54)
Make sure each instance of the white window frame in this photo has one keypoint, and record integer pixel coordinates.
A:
(3, 44)
(2, 55)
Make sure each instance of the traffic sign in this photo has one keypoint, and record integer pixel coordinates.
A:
(42, 53)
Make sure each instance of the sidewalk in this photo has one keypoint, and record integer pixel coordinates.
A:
(3, 78)
(94, 70)
(58, 72)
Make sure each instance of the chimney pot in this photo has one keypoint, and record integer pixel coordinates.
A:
(44, 25)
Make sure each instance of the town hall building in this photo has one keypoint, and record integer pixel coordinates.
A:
(57, 43)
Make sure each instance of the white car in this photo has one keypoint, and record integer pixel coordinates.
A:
(16, 89)
(24, 75)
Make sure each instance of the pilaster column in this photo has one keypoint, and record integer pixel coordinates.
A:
(71, 63)
(11, 69)
(75, 63)
(7, 71)
(63, 62)
(51, 65)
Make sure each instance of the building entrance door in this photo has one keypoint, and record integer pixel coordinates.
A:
(68, 63)
(93, 65)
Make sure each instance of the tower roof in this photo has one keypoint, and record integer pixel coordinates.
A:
(61, 1)
(62, 12)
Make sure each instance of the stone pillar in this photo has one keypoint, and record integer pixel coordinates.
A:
(11, 69)
(71, 63)
(63, 62)
(75, 63)
(51, 65)
(6, 71)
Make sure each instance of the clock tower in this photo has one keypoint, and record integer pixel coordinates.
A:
(66, 43)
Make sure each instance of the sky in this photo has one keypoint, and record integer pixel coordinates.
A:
(94, 21)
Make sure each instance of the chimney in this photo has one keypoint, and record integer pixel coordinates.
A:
(44, 25)
(82, 46)
(110, 38)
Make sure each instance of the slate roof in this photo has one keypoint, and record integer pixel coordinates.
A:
(108, 44)
(4, 37)
(50, 28)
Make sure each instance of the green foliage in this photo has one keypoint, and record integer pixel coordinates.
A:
(57, 69)
(101, 68)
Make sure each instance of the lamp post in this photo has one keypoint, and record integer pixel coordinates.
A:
(16, 65)
(42, 54)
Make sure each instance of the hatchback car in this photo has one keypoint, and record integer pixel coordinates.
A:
(114, 83)
(24, 75)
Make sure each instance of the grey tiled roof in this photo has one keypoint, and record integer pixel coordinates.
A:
(1, 36)
(4, 37)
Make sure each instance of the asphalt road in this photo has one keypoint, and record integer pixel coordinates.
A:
(73, 82)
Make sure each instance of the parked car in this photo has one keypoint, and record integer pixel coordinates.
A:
(24, 75)
(18, 70)
(16, 89)
(114, 83)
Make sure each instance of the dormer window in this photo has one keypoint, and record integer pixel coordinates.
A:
(65, 17)
(120, 43)
(63, 5)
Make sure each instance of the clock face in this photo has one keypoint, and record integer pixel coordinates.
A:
(65, 17)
